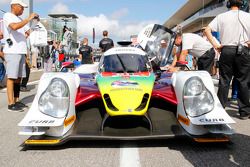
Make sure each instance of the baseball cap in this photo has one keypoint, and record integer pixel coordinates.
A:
(163, 41)
(20, 2)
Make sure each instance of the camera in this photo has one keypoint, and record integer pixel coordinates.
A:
(240, 48)
(36, 17)
(9, 42)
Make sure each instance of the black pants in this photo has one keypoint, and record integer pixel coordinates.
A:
(26, 79)
(205, 62)
(231, 64)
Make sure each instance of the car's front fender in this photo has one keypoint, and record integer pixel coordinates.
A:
(35, 118)
(195, 125)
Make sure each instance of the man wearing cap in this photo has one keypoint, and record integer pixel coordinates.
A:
(15, 33)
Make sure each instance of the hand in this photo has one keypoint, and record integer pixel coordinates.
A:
(218, 48)
(32, 16)
(248, 44)
(172, 69)
(165, 67)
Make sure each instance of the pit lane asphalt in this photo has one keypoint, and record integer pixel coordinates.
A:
(152, 153)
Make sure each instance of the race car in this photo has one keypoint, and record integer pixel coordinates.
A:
(125, 98)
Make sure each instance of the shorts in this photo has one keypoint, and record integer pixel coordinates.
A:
(15, 66)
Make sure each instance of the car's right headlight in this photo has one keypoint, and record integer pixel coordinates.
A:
(197, 99)
(54, 101)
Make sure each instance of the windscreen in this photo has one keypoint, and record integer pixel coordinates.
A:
(121, 63)
(160, 44)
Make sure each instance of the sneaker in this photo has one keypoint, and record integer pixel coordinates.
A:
(14, 107)
(244, 116)
(24, 89)
(21, 105)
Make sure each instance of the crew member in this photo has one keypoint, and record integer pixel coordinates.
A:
(85, 53)
(234, 29)
(106, 43)
(196, 46)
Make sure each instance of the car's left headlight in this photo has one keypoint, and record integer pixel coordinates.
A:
(54, 101)
(197, 99)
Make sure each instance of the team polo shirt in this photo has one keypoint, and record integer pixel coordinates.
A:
(86, 51)
(233, 27)
(18, 37)
(105, 44)
(195, 44)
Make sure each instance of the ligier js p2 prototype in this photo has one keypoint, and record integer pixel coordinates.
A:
(123, 98)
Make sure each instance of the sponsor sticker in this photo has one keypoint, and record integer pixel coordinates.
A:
(41, 121)
(211, 120)
(123, 83)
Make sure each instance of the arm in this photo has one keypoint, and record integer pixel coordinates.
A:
(1, 54)
(183, 55)
(27, 33)
(208, 33)
(80, 57)
(174, 61)
(16, 26)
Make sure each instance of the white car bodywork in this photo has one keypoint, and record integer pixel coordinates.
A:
(217, 116)
(38, 123)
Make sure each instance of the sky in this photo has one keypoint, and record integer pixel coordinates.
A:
(121, 18)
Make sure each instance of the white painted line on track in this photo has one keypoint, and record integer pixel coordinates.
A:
(129, 156)
(33, 82)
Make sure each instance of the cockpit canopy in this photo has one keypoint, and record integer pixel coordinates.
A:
(125, 60)
(124, 63)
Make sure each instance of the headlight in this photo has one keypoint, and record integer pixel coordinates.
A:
(196, 98)
(54, 101)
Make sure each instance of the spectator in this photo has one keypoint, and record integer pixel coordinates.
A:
(56, 53)
(85, 53)
(196, 46)
(23, 85)
(106, 43)
(2, 68)
(48, 61)
(34, 53)
(76, 62)
(15, 30)
(234, 58)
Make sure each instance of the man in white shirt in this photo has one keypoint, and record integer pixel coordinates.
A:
(196, 46)
(15, 33)
(234, 29)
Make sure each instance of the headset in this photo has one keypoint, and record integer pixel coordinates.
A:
(239, 3)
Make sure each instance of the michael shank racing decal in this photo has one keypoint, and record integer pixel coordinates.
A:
(212, 120)
(41, 121)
